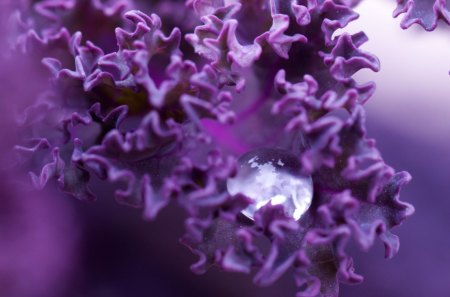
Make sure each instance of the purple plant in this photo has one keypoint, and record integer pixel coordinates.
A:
(189, 88)
(426, 13)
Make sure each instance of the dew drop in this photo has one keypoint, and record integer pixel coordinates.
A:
(272, 175)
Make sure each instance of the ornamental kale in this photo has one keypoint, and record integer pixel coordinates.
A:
(426, 13)
(161, 98)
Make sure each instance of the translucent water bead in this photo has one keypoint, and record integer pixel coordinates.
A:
(272, 175)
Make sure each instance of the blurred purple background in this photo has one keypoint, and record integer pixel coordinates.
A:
(68, 248)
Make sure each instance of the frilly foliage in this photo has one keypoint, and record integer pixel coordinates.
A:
(134, 103)
(425, 13)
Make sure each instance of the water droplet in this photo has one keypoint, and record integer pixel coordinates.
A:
(272, 175)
